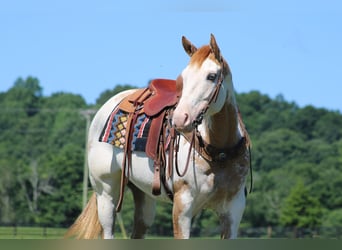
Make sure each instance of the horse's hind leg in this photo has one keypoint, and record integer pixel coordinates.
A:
(107, 193)
(144, 212)
(106, 213)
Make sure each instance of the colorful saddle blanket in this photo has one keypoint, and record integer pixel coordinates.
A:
(115, 129)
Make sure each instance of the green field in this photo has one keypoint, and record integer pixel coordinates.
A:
(31, 233)
(47, 233)
(37, 233)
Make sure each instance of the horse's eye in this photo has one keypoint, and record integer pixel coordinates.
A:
(212, 77)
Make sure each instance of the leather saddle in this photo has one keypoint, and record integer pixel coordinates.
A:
(157, 102)
(160, 94)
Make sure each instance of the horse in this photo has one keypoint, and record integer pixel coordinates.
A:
(209, 124)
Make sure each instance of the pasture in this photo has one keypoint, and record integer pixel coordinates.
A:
(24, 233)
(31, 233)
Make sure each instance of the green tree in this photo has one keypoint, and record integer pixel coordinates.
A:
(300, 209)
(276, 147)
(107, 94)
(42, 153)
(25, 94)
(63, 204)
(333, 219)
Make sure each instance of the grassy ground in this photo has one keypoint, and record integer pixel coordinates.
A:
(31, 233)
(37, 233)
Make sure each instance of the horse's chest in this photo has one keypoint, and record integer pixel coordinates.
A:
(226, 182)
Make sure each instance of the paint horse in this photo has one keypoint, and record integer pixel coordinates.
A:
(209, 167)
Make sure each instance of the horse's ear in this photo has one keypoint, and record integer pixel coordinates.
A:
(189, 48)
(214, 47)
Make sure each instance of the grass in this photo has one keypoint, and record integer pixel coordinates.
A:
(31, 233)
(19, 233)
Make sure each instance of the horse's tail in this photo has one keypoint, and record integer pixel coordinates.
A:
(87, 225)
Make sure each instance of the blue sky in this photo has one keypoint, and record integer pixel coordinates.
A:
(288, 47)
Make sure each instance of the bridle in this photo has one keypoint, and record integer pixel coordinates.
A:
(195, 134)
(213, 98)
(196, 141)
(214, 156)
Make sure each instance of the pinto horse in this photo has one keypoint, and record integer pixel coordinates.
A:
(213, 176)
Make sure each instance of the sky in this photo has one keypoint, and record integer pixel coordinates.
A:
(292, 47)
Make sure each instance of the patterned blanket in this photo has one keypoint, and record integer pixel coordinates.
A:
(114, 131)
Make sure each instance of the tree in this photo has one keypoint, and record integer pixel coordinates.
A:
(28, 91)
(64, 204)
(42, 155)
(107, 94)
(276, 147)
(300, 209)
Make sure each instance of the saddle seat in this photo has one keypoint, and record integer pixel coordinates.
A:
(164, 94)
(160, 94)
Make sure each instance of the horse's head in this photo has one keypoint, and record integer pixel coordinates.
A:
(204, 85)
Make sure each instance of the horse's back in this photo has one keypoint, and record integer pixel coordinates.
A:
(103, 113)
(100, 155)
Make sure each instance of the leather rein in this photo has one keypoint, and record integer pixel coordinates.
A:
(210, 153)
(195, 133)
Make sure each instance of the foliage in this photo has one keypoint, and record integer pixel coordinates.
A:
(107, 94)
(301, 209)
(297, 159)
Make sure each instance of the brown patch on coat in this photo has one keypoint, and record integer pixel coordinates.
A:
(225, 121)
(225, 226)
(179, 84)
(179, 188)
(229, 179)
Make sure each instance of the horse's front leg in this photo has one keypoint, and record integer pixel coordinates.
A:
(182, 212)
(230, 216)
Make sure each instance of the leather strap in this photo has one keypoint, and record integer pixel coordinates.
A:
(127, 159)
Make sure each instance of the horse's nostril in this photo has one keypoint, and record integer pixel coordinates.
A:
(186, 117)
(181, 120)
(186, 120)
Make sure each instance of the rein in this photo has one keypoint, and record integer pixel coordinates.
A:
(195, 134)
(210, 153)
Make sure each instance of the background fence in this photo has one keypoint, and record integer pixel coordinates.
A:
(17, 232)
(291, 232)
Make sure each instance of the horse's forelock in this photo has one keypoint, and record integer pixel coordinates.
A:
(203, 53)
(200, 55)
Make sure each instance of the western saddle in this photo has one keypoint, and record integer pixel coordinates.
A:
(157, 101)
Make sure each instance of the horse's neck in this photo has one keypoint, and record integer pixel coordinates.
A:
(223, 130)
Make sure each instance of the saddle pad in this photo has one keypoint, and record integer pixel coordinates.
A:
(114, 131)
